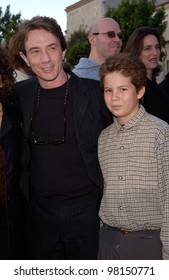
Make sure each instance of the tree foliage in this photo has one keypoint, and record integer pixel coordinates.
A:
(132, 14)
(8, 24)
(78, 46)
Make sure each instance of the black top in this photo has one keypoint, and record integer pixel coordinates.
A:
(156, 101)
(164, 85)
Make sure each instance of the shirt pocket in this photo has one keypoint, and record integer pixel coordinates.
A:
(142, 170)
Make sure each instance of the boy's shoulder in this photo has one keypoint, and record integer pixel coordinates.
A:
(155, 121)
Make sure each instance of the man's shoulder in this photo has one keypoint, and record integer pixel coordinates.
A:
(24, 90)
(91, 81)
(26, 83)
(91, 85)
(85, 62)
(87, 69)
(155, 123)
(87, 87)
(84, 80)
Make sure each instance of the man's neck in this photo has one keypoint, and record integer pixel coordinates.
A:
(96, 58)
(56, 82)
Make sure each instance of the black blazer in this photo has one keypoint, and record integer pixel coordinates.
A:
(90, 117)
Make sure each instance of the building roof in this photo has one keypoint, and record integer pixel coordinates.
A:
(109, 3)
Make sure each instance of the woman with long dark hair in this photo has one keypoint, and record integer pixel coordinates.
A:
(12, 215)
(145, 43)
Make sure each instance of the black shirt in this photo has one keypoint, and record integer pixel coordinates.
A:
(156, 102)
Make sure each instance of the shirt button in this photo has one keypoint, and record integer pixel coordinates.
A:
(121, 207)
(120, 177)
(117, 246)
(121, 148)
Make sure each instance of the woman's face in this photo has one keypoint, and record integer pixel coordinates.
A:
(150, 54)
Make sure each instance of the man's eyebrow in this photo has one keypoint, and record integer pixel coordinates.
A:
(32, 48)
(36, 47)
(52, 44)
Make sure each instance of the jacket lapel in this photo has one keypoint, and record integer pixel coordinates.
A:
(81, 101)
(30, 106)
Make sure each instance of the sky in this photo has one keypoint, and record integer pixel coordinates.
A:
(31, 8)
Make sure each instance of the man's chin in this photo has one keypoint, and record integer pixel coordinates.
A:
(48, 79)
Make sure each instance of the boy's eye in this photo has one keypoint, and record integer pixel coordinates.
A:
(107, 90)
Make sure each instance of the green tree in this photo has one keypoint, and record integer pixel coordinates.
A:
(132, 14)
(78, 46)
(8, 24)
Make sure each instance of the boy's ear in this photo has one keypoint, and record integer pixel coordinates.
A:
(141, 93)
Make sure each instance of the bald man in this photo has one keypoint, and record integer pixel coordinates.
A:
(105, 39)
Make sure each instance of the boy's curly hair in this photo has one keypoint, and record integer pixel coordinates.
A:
(7, 78)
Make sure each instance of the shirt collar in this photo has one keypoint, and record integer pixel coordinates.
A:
(137, 117)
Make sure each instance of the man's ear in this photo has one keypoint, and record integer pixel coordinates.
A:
(24, 58)
(92, 39)
(141, 93)
(63, 54)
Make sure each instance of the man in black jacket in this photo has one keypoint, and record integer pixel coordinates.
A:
(62, 115)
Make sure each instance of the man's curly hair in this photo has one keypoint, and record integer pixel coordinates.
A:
(7, 78)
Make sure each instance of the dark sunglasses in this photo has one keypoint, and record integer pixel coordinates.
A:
(110, 34)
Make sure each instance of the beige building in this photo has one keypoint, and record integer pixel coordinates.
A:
(84, 12)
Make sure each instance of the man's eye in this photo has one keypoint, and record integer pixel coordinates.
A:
(53, 48)
(34, 51)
